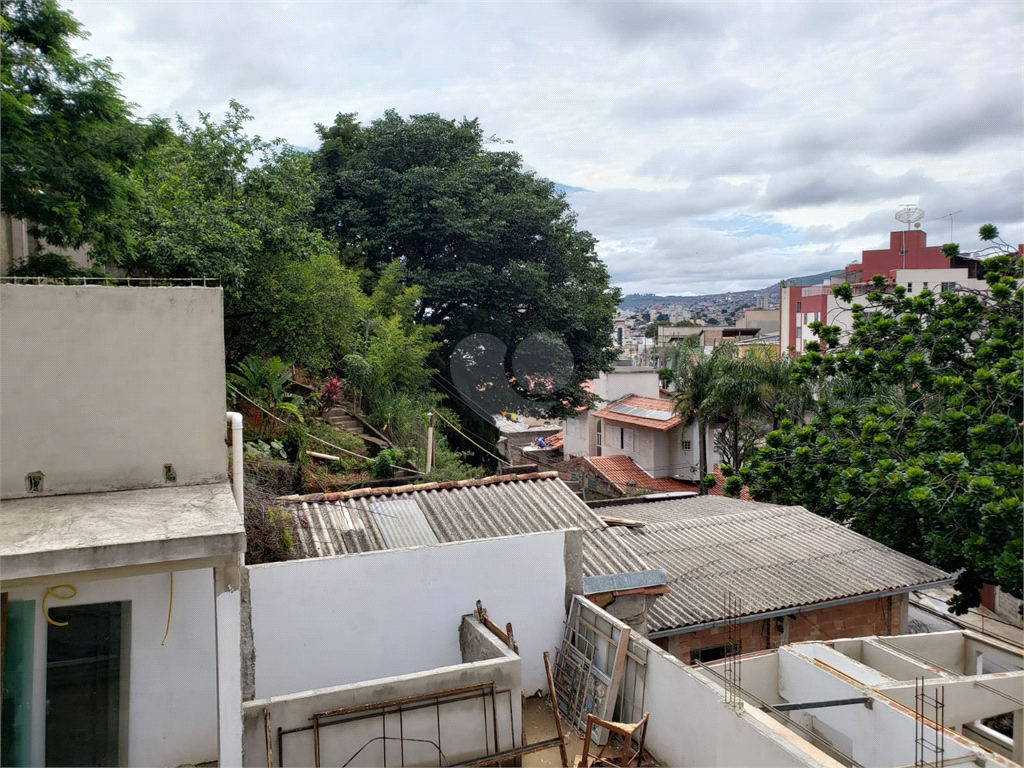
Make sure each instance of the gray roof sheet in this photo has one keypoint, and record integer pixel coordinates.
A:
(770, 558)
(619, 582)
(441, 515)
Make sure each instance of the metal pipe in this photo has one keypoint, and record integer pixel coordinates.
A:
(800, 608)
(237, 449)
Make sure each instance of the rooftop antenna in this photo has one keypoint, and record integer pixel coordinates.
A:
(908, 214)
(950, 217)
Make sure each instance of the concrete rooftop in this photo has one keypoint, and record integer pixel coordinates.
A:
(47, 535)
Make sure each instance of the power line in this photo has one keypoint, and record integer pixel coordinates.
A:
(314, 437)
(442, 418)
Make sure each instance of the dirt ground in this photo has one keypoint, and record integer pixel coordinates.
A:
(539, 724)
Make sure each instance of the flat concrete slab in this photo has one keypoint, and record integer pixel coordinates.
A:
(82, 532)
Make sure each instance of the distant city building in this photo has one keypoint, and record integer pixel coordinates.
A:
(908, 261)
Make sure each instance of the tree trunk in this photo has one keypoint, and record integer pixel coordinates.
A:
(703, 456)
(736, 443)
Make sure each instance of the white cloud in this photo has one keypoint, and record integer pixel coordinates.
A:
(820, 116)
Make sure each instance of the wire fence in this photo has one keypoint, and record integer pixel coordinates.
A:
(140, 282)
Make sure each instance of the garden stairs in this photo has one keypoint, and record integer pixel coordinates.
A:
(342, 419)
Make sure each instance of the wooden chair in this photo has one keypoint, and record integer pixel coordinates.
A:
(626, 755)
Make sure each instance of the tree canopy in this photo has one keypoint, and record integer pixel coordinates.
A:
(69, 138)
(916, 436)
(495, 249)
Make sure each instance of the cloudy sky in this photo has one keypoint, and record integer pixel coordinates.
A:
(719, 146)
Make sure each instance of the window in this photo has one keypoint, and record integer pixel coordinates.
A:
(910, 286)
(600, 422)
(924, 287)
(16, 715)
(86, 684)
(627, 440)
(798, 307)
(687, 445)
(948, 287)
(714, 653)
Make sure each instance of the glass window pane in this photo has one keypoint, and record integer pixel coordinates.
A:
(16, 718)
(83, 685)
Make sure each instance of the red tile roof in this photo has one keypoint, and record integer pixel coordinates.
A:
(620, 471)
(651, 404)
(719, 489)
(555, 441)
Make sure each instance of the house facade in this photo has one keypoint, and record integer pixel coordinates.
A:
(121, 534)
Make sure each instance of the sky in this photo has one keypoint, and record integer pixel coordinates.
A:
(716, 146)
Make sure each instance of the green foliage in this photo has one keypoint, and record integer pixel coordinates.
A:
(294, 443)
(51, 264)
(916, 439)
(495, 249)
(382, 466)
(272, 450)
(748, 393)
(448, 463)
(651, 331)
(342, 439)
(263, 380)
(69, 138)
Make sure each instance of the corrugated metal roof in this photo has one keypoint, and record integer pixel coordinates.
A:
(770, 558)
(660, 511)
(513, 507)
(402, 523)
(333, 528)
(620, 582)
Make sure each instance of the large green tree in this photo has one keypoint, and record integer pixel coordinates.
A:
(495, 248)
(69, 138)
(916, 440)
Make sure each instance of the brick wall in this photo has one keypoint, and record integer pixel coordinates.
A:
(878, 616)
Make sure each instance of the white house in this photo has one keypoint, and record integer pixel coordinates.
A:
(120, 535)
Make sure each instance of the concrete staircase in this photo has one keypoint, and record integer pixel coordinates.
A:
(340, 419)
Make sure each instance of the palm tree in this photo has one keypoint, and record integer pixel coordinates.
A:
(698, 397)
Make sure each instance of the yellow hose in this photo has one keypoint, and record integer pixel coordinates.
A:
(52, 592)
(170, 608)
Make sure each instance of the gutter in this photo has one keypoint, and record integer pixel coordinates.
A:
(237, 449)
(800, 609)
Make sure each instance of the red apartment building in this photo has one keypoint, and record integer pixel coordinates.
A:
(801, 305)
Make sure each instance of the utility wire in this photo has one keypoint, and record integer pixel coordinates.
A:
(474, 442)
(314, 437)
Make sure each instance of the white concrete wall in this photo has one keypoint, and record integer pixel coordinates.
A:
(577, 435)
(466, 727)
(16, 244)
(630, 381)
(916, 279)
(882, 736)
(332, 621)
(172, 715)
(103, 386)
(690, 724)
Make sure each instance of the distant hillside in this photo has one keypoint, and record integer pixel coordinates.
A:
(638, 300)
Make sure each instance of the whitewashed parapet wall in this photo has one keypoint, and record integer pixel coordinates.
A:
(104, 386)
(332, 621)
(458, 728)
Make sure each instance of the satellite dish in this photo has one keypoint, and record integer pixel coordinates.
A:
(909, 214)
(917, 225)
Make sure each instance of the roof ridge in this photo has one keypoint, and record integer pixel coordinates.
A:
(400, 489)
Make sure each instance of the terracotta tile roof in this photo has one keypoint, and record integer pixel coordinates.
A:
(648, 403)
(620, 471)
(719, 489)
(555, 441)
